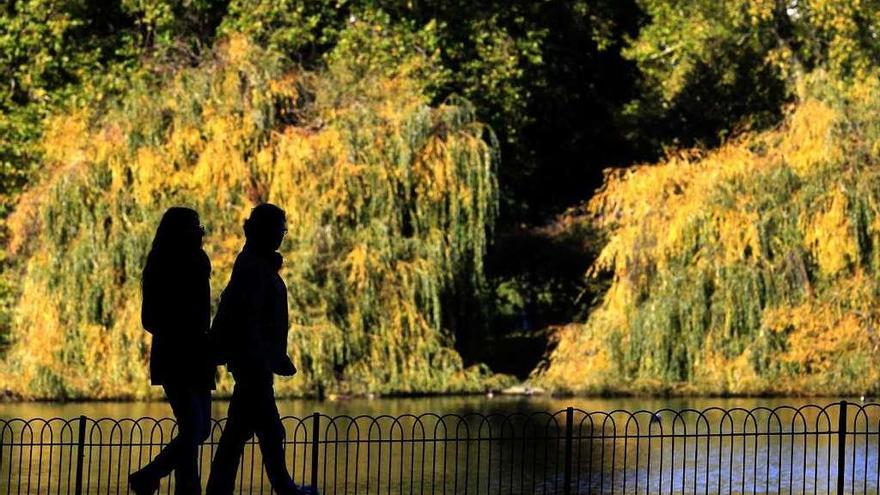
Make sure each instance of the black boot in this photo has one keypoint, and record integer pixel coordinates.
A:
(294, 489)
(141, 484)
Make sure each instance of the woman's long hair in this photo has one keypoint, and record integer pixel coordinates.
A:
(177, 246)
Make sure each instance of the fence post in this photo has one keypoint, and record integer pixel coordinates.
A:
(841, 447)
(316, 420)
(569, 433)
(80, 455)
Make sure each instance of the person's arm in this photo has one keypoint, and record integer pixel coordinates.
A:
(203, 320)
(282, 364)
(251, 292)
(151, 306)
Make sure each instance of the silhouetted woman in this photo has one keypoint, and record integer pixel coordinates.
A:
(176, 311)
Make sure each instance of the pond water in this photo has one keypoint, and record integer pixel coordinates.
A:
(417, 405)
(501, 444)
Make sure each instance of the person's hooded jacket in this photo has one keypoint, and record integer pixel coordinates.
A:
(250, 329)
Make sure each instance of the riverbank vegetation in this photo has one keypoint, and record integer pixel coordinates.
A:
(388, 201)
(442, 166)
(750, 269)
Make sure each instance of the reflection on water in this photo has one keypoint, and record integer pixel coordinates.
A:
(506, 445)
(398, 406)
(759, 450)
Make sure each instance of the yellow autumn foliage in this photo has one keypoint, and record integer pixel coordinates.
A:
(388, 200)
(749, 269)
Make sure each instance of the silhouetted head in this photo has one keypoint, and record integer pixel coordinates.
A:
(265, 228)
(177, 247)
(179, 229)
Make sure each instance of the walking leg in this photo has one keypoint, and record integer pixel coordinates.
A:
(237, 432)
(147, 478)
(194, 423)
(270, 432)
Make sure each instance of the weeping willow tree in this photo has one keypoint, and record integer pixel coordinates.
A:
(388, 199)
(749, 269)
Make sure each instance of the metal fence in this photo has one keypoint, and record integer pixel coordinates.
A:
(808, 449)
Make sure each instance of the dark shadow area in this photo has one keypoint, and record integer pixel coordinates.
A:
(539, 280)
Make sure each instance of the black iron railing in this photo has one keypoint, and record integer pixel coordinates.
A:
(808, 449)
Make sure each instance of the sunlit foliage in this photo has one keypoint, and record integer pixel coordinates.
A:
(547, 76)
(388, 199)
(711, 67)
(749, 269)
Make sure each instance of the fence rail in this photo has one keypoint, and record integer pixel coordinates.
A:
(808, 449)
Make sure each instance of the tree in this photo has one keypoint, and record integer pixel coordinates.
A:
(712, 68)
(748, 268)
(388, 200)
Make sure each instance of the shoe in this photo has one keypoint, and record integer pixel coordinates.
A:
(142, 484)
(294, 489)
(284, 367)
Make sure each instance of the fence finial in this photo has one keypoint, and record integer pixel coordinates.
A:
(841, 447)
(569, 434)
(316, 422)
(80, 455)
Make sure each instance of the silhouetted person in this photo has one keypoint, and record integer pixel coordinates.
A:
(250, 332)
(177, 312)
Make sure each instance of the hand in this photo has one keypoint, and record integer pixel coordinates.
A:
(284, 367)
